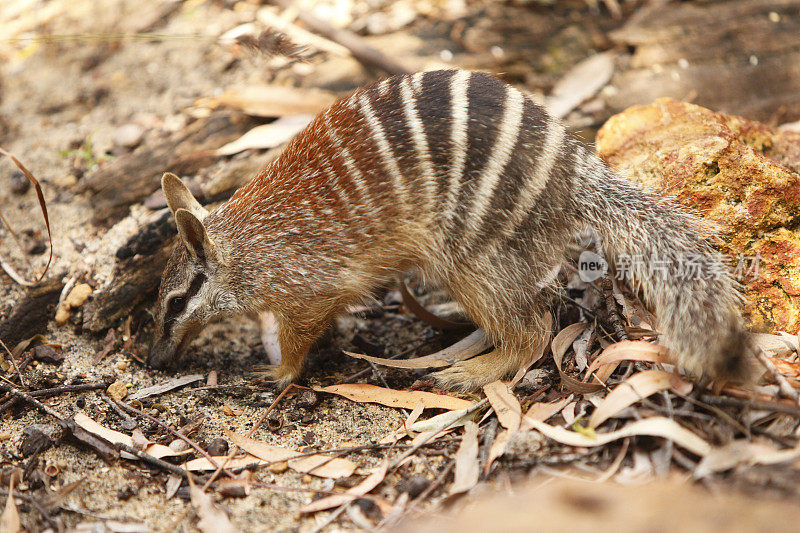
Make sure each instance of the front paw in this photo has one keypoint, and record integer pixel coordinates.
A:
(278, 374)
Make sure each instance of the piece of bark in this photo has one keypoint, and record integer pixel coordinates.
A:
(132, 177)
(30, 315)
(141, 260)
(740, 57)
(135, 282)
(363, 52)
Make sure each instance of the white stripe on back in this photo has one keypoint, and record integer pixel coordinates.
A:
(502, 151)
(459, 86)
(353, 172)
(553, 143)
(416, 80)
(387, 156)
(420, 141)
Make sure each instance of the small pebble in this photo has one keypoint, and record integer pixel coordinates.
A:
(274, 420)
(48, 354)
(218, 446)
(37, 248)
(78, 295)
(307, 479)
(117, 391)
(19, 183)
(128, 135)
(279, 468)
(307, 399)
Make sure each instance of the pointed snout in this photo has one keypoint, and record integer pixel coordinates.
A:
(162, 353)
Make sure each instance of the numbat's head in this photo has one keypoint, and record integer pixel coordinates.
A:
(193, 288)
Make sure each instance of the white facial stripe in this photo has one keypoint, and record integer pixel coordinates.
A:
(460, 115)
(502, 151)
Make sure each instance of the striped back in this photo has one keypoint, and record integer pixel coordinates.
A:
(461, 151)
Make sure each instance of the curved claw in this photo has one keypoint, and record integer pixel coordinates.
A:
(271, 373)
(263, 373)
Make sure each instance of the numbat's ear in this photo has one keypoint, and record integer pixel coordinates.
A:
(194, 236)
(179, 197)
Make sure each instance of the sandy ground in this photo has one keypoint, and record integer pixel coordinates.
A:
(57, 96)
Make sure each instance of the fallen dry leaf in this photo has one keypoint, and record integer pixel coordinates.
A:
(776, 345)
(580, 83)
(213, 519)
(467, 469)
(56, 497)
(407, 423)
(9, 522)
(541, 411)
(172, 486)
(201, 464)
(272, 100)
(743, 452)
(318, 465)
(108, 346)
(366, 393)
(323, 466)
(561, 343)
(498, 448)
(630, 351)
(448, 420)
(230, 411)
(158, 451)
(267, 135)
(505, 405)
(787, 368)
(656, 426)
(467, 347)
(372, 481)
(166, 386)
(634, 389)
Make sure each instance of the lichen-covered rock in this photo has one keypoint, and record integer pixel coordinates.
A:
(743, 176)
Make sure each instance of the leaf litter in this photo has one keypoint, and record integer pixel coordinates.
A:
(578, 418)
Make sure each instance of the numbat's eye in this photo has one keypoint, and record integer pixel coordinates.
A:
(177, 304)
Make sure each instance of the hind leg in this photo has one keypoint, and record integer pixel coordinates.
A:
(513, 319)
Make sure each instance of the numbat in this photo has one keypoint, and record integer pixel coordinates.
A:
(469, 180)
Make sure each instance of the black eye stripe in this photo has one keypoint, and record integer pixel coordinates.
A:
(194, 286)
(177, 303)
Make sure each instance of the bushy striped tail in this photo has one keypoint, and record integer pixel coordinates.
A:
(657, 247)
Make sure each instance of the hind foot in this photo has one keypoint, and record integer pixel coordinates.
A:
(474, 373)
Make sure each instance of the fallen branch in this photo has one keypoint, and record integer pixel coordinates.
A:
(53, 392)
(362, 51)
(784, 386)
(175, 433)
(100, 445)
